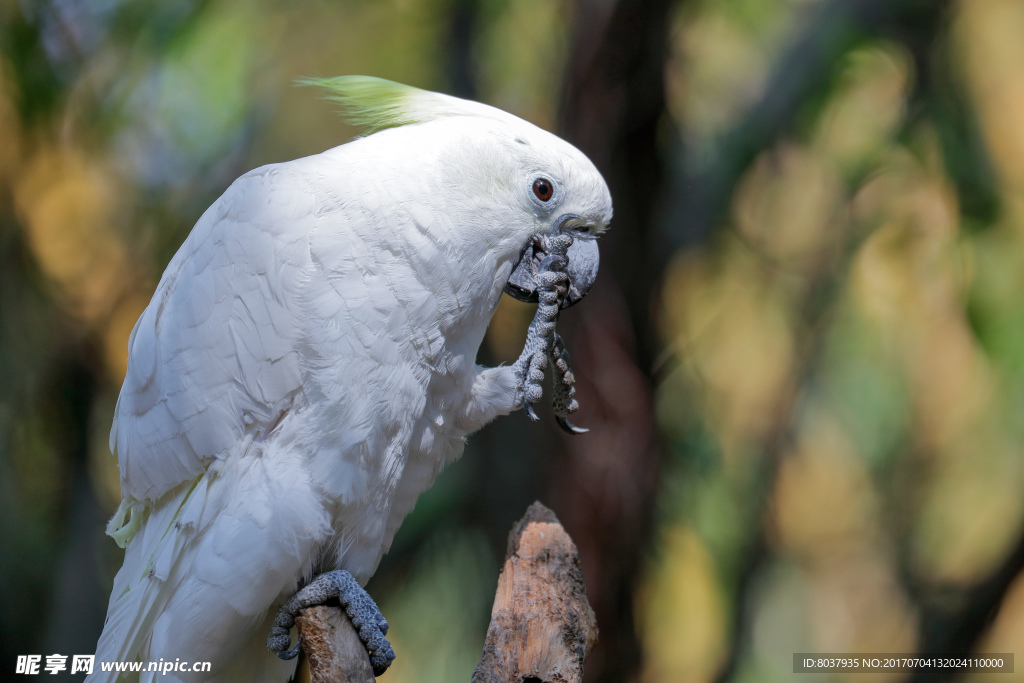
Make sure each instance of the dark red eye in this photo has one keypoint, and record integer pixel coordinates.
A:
(543, 188)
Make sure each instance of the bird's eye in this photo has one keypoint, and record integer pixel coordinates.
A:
(543, 189)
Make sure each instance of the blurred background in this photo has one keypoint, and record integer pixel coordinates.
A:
(802, 367)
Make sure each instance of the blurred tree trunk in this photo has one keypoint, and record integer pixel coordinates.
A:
(604, 482)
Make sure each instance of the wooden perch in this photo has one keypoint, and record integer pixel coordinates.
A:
(541, 624)
(335, 653)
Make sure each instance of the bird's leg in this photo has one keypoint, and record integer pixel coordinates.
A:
(564, 400)
(551, 289)
(362, 611)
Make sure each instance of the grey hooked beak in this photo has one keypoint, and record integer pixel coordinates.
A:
(583, 259)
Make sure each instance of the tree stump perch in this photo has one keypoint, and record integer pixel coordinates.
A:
(542, 625)
(541, 629)
(332, 646)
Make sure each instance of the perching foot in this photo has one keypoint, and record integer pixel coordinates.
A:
(362, 611)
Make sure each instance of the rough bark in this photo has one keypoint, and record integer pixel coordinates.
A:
(542, 625)
(332, 646)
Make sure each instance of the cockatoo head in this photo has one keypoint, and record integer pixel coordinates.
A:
(514, 182)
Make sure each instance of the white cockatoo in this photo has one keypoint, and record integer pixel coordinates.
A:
(306, 367)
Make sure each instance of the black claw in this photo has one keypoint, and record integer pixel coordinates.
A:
(569, 427)
(380, 661)
(292, 653)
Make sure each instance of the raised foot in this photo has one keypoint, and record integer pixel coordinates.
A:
(552, 285)
(565, 403)
(362, 611)
(543, 345)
